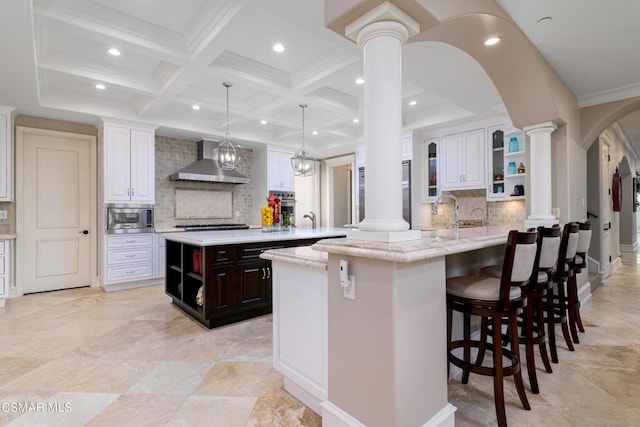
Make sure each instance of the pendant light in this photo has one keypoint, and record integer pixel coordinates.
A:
(226, 154)
(303, 163)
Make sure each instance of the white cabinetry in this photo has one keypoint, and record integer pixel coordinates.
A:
(407, 147)
(507, 170)
(462, 164)
(6, 154)
(280, 171)
(431, 189)
(6, 247)
(160, 257)
(129, 164)
(129, 257)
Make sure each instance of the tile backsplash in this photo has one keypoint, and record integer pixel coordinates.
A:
(7, 226)
(473, 205)
(173, 154)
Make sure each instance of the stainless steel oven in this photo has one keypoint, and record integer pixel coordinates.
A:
(129, 218)
(287, 203)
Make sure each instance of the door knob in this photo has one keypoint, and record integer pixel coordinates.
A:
(84, 232)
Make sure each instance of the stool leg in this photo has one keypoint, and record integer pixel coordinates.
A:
(562, 309)
(449, 336)
(482, 348)
(517, 376)
(528, 333)
(578, 318)
(539, 313)
(467, 348)
(551, 326)
(498, 385)
(572, 298)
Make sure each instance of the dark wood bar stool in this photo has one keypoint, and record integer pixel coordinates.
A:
(556, 311)
(493, 300)
(580, 262)
(532, 323)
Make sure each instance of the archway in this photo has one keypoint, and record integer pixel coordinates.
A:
(595, 119)
(627, 240)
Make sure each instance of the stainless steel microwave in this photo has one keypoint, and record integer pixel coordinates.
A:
(129, 218)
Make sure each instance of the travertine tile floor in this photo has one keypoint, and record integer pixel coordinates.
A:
(132, 359)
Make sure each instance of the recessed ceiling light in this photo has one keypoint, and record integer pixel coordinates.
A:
(491, 41)
(359, 81)
(100, 86)
(263, 122)
(113, 51)
(412, 103)
(315, 132)
(278, 47)
(195, 107)
(544, 20)
(356, 120)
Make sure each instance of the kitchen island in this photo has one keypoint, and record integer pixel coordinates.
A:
(218, 277)
(379, 358)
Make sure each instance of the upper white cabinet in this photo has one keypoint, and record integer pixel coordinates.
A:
(462, 164)
(280, 171)
(431, 189)
(407, 147)
(129, 163)
(6, 154)
(507, 169)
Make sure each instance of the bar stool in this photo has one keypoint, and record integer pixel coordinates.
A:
(532, 324)
(493, 299)
(580, 262)
(556, 312)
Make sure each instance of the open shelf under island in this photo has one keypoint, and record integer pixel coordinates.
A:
(218, 277)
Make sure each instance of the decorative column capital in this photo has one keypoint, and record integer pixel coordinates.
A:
(544, 127)
(388, 20)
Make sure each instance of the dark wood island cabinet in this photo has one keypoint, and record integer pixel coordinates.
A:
(222, 284)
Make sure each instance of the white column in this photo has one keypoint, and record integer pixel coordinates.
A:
(540, 172)
(381, 34)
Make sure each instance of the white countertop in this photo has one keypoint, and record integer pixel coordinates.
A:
(301, 255)
(434, 243)
(227, 237)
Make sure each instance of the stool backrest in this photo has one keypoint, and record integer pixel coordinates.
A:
(584, 238)
(546, 251)
(568, 246)
(519, 257)
(572, 245)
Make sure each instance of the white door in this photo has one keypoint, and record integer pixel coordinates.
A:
(605, 209)
(56, 213)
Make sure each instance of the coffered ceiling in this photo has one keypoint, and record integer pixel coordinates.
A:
(176, 54)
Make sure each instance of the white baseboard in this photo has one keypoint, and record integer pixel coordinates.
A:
(584, 293)
(123, 286)
(332, 416)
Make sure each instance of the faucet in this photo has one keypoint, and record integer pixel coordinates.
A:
(483, 221)
(434, 208)
(312, 217)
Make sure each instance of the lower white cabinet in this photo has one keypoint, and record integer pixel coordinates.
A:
(5, 269)
(129, 258)
(161, 256)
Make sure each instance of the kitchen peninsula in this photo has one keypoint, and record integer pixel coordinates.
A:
(218, 277)
(364, 360)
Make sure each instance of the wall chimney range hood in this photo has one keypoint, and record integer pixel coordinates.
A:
(206, 169)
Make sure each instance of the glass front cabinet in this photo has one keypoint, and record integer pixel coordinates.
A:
(508, 168)
(430, 172)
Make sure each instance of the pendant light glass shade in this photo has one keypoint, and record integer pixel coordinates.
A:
(303, 163)
(226, 153)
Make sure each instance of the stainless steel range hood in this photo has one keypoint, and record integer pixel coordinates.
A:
(205, 168)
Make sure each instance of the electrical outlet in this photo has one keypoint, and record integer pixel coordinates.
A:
(555, 212)
(350, 291)
(3, 214)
